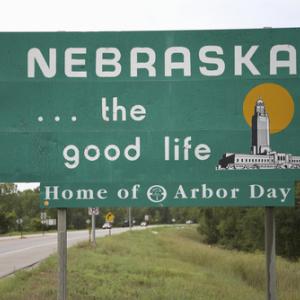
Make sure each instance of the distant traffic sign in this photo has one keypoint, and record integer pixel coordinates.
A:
(93, 211)
(109, 217)
(51, 222)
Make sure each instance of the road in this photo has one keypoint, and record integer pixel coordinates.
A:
(17, 253)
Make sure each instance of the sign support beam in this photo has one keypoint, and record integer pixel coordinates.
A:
(270, 253)
(62, 253)
(93, 229)
(129, 218)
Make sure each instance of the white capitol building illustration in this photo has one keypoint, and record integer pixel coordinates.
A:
(261, 157)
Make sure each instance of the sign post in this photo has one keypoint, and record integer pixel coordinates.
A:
(43, 221)
(270, 249)
(93, 230)
(19, 221)
(129, 218)
(93, 211)
(88, 222)
(62, 253)
(110, 217)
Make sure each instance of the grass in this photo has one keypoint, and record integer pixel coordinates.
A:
(160, 263)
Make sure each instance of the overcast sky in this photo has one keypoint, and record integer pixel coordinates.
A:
(111, 15)
(101, 15)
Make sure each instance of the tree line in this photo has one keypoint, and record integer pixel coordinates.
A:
(243, 228)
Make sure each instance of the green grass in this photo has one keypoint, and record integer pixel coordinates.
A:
(160, 263)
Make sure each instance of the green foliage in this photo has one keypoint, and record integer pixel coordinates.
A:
(6, 221)
(209, 226)
(243, 229)
(14, 205)
(288, 233)
(36, 225)
(8, 188)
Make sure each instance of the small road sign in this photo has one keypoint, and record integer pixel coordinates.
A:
(19, 221)
(109, 217)
(51, 222)
(43, 216)
(93, 211)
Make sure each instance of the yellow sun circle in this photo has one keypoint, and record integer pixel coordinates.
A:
(279, 105)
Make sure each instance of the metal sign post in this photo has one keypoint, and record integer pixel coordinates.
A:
(270, 253)
(62, 253)
(93, 211)
(93, 230)
(20, 226)
(109, 218)
(88, 222)
(43, 221)
(129, 218)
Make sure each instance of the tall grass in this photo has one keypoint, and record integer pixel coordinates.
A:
(165, 263)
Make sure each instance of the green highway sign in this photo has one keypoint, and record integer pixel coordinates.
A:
(181, 118)
(196, 193)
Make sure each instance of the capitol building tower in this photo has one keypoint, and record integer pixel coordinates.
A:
(260, 129)
(261, 156)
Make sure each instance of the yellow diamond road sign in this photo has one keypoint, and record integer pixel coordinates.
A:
(109, 217)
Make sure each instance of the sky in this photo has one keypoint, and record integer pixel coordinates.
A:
(111, 15)
(120, 15)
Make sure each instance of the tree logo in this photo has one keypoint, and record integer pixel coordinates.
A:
(156, 193)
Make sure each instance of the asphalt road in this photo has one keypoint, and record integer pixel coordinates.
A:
(17, 253)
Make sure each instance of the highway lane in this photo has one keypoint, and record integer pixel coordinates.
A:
(16, 253)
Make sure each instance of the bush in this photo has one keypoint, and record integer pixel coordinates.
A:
(243, 229)
(36, 225)
(7, 222)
